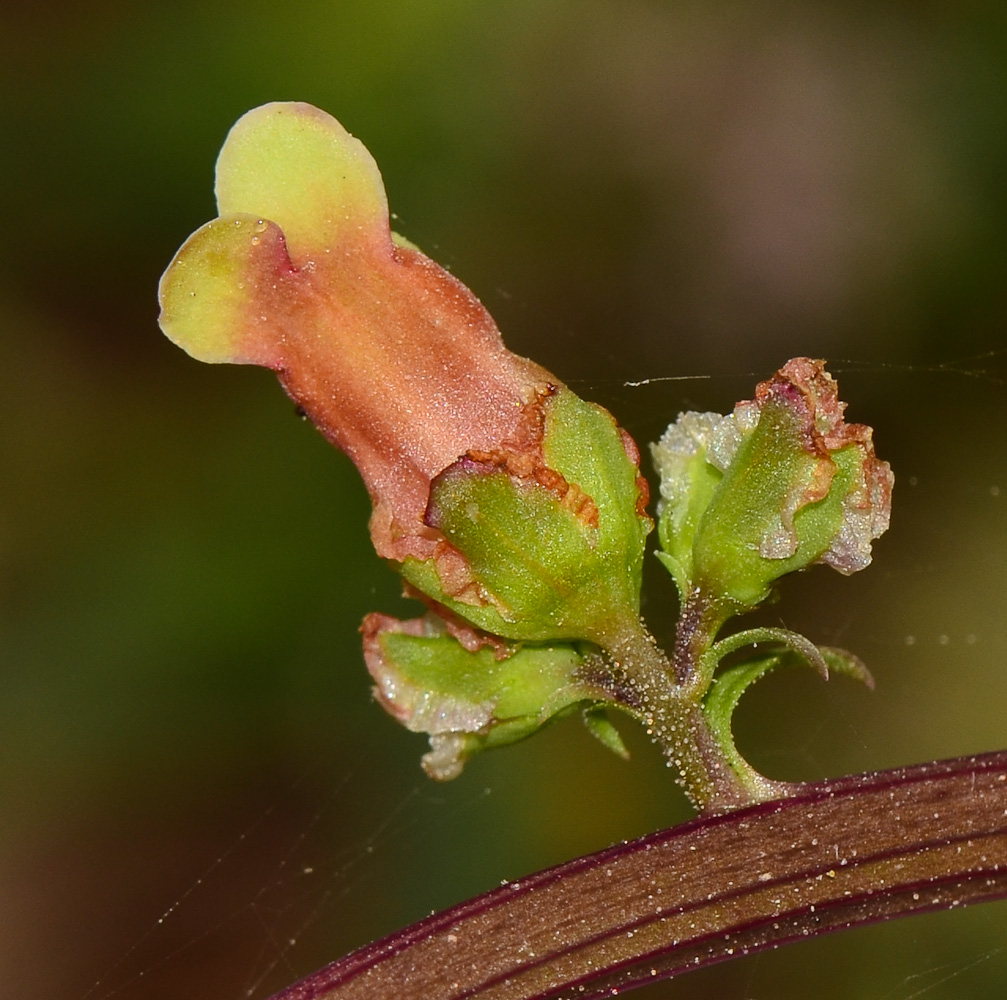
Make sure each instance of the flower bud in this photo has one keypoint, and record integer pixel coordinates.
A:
(779, 484)
(468, 699)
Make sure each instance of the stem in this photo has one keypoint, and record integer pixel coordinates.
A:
(705, 772)
(699, 621)
(837, 854)
(671, 708)
(711, 782)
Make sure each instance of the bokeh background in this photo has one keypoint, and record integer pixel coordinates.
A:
(197, 796)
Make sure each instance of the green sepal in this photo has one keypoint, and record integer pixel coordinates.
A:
(770, 465)
(584, 444)
(548, 565)
(469, 700)
(688, 482)
(534, 559)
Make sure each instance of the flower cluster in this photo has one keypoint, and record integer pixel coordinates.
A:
(514, 509)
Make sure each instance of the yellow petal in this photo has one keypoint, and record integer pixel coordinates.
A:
(297, 166)
(215, 297)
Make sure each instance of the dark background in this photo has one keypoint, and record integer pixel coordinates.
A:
(192, 774)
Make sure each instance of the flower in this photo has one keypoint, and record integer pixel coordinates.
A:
(463, 445)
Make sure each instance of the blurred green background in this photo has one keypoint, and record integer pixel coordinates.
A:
(199, 798)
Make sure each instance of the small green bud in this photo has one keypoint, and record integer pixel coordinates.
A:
(471, 694)
(779, 484)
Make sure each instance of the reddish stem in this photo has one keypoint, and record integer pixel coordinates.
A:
(837, 854)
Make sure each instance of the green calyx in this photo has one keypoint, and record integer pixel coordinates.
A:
(554, 554)
(750, 497)
(470, 700)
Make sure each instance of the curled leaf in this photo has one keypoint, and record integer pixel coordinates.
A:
(731, 683)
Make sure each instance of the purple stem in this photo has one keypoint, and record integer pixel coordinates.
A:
(836, 854)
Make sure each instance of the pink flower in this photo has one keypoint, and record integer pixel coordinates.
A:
(394, 360)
